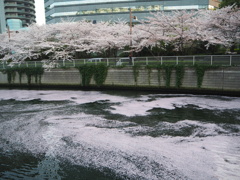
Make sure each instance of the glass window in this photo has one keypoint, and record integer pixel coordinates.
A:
(84, 2)
(64, 14)
(14, 24)
(181, 7)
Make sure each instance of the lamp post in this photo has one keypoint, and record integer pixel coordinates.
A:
(130, 25)
(8, 30)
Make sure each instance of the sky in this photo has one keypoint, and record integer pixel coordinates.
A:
(40, 14)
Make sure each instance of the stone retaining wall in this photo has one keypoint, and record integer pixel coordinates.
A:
(221, 79)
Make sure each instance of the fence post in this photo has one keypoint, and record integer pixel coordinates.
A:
(74, 64)
(211, 60)
(63, 63)
(161, 60)
(230, 60)
(176, 60)
(35, 64)
(26, 64)
(146, 60)
(107, 62)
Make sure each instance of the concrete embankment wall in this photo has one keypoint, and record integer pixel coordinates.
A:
(223, 80)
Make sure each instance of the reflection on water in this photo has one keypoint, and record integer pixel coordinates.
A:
(118, 135)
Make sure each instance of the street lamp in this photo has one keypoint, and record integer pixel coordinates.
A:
(131, 17)
(8, 30)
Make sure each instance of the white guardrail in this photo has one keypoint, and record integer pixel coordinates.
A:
(219, 60)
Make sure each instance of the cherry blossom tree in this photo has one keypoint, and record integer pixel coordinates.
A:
(62, 40)
(221, 26)
(3, 48)
(178, 28)
(17, 47)
(105, 37)
(149, 32)
(183, 29)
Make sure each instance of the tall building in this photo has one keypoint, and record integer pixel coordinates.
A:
(16, 14)
(104, 10)
(2, 17)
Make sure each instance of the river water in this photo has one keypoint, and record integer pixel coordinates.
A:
(94, 135)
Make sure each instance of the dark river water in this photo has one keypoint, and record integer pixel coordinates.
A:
(93, 135)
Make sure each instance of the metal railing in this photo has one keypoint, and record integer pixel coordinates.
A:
(218, 60)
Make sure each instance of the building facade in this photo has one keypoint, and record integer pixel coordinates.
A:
(2, 17)
(105, 10)
(16, 14)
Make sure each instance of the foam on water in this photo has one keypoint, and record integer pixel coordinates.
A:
(140, 157)
(141, 107)
(79, 97)
(126, 105)
(210, 152)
